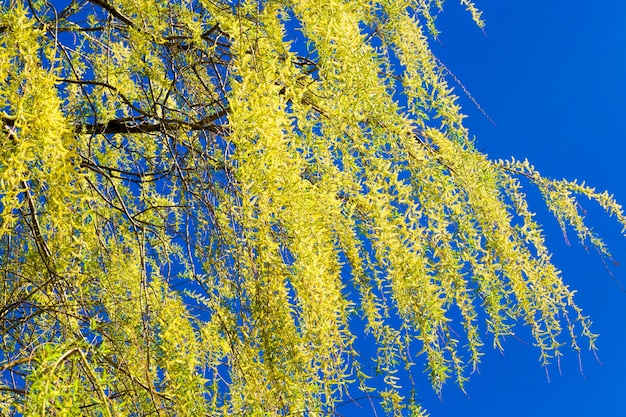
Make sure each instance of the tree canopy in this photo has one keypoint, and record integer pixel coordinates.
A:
(207, 205)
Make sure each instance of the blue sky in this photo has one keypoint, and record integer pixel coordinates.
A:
(552, 75)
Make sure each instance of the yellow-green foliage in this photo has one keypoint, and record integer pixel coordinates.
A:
(195, 211)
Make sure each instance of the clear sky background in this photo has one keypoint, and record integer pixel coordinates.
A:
(552, 76)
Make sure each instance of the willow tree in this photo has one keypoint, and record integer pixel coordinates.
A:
(202, 200)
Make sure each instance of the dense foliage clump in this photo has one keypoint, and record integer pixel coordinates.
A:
(200, 198)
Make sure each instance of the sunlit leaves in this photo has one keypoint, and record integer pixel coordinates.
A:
(200, 205)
